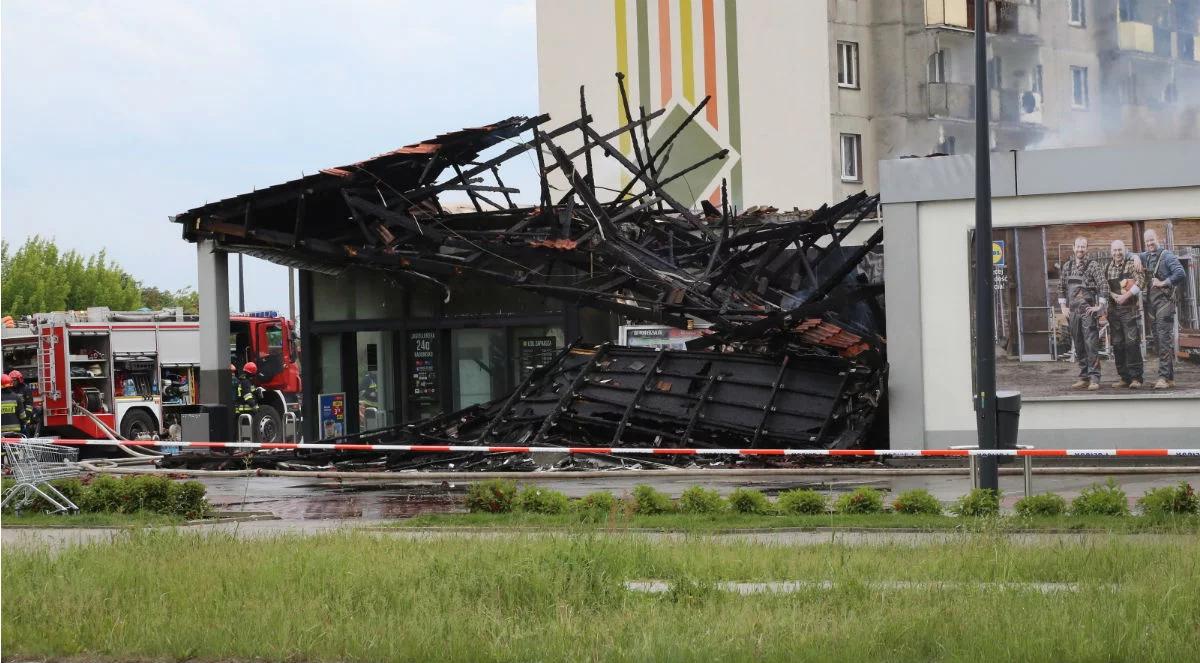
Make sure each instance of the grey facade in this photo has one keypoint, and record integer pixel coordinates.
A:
(1126, 70)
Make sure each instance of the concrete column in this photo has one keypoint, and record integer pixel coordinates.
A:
(902, 296)
(212, 267)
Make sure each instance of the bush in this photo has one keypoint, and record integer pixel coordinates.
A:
(647, 501)
(186, 499)
(979, 503)
(802, 501)
(601, 502)
(595, 507)
(1101, 500)
(1047, 504)
(133, 494)
(1169, 500)
(917, 501)
(748, 500)
(542, 500)
(699, 499)
(72, 489)
(491, 496)
(862, 500)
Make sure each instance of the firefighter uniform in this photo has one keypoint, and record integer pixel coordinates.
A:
(1081, 285)
(245, 397)
(1160, 303)
(10, 403)
(1124, 334)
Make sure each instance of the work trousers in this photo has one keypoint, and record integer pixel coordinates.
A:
(1126, 341)
(1162, 325)
(1085, 336)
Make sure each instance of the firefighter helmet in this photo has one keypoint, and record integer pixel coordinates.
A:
(5, 381)
(250, 368)
(16, 376)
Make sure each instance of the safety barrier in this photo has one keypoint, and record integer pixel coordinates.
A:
(651, 451)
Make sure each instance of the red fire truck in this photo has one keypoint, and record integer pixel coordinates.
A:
(136, 372)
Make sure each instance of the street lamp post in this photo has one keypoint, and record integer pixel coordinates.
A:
(985, 346)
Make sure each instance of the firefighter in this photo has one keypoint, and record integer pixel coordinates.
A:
(10, 423)
(1125, 284)
(245, 395)
(1081, 295)
(1164, 274)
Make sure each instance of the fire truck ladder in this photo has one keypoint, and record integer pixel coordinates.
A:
(49, 373)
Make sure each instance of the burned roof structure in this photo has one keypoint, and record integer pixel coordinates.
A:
(793, 355)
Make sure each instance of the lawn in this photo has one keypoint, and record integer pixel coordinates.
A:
(724, 522)
(358, 597)
(139, 519)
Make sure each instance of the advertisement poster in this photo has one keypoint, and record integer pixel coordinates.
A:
(534, 352)
(333, 414)
(1098, 310)
(658, 336)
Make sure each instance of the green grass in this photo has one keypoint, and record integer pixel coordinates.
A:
(356, 597)
(728, 521)
(139, 519)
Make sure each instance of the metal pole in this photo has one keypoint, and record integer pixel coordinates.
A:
(241, 287)
(292, 295)
(985, 346)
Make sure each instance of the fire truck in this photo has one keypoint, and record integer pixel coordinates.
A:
(98, 371)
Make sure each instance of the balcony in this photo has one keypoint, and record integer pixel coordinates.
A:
(1135, 36)
(956, 101)
(1018, 18)
(1138, 37)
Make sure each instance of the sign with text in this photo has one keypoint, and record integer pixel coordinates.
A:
(333, 414)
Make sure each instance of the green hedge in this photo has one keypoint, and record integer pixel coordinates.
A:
(130, 494)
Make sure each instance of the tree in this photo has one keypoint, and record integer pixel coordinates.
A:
(158, 298)
(39, 277)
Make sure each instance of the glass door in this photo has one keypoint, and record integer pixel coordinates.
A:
(478, 359)
(376, 373)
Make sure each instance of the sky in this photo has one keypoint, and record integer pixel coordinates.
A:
(116, 115)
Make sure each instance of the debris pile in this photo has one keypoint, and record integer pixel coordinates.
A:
(792, 356)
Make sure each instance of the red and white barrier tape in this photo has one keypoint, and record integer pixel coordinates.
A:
(420, 448)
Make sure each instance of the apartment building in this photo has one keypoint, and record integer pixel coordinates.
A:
(808, 95)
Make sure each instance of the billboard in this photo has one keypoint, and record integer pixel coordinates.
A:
(1098, 310)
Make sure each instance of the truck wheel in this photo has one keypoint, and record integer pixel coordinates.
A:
(137, 423)
(268, 425)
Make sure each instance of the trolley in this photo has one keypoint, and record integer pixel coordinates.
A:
(33, 464)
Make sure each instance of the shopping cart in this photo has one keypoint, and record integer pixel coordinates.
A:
(33, 464)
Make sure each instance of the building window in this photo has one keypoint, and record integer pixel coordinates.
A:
(995, 70)
(937, 67)
(946, 145)
(851, 158)
(847, 57)
(1036, 83)
(1079, 87)
(1125, 10)
(1078, 15)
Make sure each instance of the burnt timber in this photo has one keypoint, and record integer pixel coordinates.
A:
(793, 356)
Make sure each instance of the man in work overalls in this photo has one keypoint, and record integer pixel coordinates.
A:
(1164, 273)
(1081, 285)
(1125, 285)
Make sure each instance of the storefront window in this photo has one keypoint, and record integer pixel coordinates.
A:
(332, 297)
(377, 296)
(479, 360)
(329, 379)
(376, 370)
